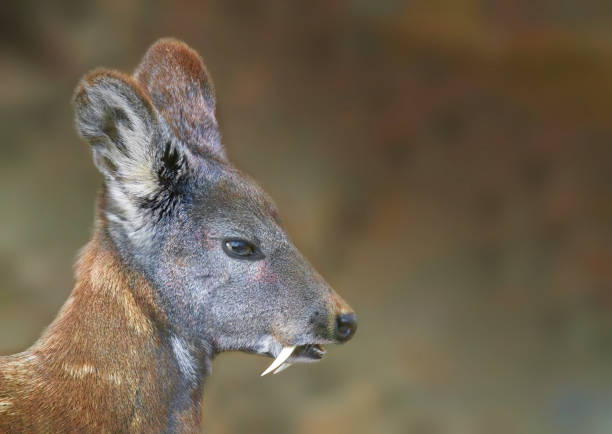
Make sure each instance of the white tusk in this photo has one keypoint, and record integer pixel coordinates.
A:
(282, 368)
(280, 359)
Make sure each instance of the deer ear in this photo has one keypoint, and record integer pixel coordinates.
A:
(117, 118)
(142, 167)
(180, 88)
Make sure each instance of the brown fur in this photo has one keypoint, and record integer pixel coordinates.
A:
(103, 355)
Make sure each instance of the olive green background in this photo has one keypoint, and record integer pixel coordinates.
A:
(447, 165)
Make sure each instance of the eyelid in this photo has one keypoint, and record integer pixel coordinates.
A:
(240, 236)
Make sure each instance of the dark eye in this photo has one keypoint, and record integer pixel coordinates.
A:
(241, 249)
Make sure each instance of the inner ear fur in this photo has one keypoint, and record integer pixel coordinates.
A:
(102, 91)
(116, 116)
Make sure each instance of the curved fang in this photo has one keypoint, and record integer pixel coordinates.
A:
(280, 359)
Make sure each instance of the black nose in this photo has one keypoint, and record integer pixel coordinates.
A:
(346, 324)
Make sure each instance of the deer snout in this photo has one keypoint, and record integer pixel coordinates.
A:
(346, 325)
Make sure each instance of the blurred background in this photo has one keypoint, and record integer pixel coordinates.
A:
(447, 165)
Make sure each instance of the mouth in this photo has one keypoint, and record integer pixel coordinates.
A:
(295, 354)
(308, 353)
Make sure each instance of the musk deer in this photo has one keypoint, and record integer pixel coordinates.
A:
(188, 259)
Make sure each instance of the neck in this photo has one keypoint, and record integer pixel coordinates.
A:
(109, 361)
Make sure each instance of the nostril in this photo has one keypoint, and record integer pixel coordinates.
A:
(346, 324)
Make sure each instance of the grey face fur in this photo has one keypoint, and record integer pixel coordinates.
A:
(172, 201)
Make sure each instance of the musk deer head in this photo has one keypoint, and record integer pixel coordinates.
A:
(204, 234)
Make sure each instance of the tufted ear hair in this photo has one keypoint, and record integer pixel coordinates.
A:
(117, 118)
(142, 167)
(182, 92)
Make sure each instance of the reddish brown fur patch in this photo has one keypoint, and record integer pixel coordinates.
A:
(101, 366)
